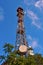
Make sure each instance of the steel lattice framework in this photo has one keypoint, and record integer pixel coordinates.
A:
(20, 34)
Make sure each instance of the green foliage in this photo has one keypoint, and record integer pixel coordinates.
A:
(2, 58)
(8, 48)
(39, 59)
(13, 59)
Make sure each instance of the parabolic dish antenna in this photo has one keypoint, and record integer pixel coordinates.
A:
(23, 48)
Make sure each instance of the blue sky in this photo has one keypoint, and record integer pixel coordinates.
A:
(33, 20)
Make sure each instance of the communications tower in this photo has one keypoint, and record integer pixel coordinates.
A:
(21, 43)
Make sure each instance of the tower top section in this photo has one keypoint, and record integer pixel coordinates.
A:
(20, 12)
(19, 9)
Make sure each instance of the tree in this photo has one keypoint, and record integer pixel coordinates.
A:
(39, 59)
(8, 48)
(13, 59)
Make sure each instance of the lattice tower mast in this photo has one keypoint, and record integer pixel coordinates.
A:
(20, 36)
